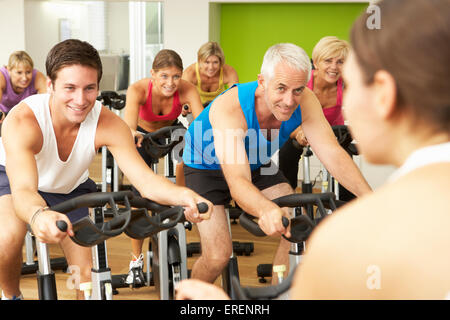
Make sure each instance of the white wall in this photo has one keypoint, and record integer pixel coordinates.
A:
(117, 21)
(186, 27)
(12, 28)
(375, 175)
(42, 26)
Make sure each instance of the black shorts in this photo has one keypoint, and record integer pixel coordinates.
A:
(54, 198)
(211, 184)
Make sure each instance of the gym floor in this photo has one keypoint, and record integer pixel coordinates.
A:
(119, 255)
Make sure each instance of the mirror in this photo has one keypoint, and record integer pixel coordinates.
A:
(104, 24)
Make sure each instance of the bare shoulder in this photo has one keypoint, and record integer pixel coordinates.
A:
(2, 82)
(311, 108)
(379, 245)
(40, 75)
(227, 105)
(21, 126)
(187, 91)
(21, 114)
(309, 98)
(227, 69)
(137, 91)
(189, 74)
(230, 75)
(40, 82)
(186, 86)
(139, 86)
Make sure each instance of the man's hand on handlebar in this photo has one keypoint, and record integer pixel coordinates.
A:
(189, 200)
(45, 229)
(271, 222)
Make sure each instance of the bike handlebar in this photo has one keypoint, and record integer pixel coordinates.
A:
(155, 143)
(302, 225)
(95, 199)
(112, 99)
(88, 234)
(136, 223)
(345, 139)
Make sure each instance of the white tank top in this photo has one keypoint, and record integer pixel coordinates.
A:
(55, 175)
(422, 157)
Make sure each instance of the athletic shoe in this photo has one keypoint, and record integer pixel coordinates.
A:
(135, 274)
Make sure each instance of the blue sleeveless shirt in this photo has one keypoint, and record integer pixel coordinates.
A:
(199, 151)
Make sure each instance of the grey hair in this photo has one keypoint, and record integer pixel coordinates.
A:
(289, 53)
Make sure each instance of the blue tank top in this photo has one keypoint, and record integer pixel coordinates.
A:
(199, 150)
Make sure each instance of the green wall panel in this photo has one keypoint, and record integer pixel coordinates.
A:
(247, 30)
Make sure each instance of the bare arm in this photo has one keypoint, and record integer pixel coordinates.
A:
(135, 98)
(229, 129)
(189, 74)
(299, 135)
(189, 95)
(230, 75)
(114, 133)
(40, 83)
(2, 88)
(2, 85)
(22, 139)
(325, 145)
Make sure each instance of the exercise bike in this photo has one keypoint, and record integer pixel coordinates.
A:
(167, 253)
(87, 233)
(94, 233)
(329, 184)
(301, 224)
(110, 170)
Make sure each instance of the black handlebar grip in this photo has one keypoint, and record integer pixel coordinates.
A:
(285, 222)
(202, 207)
(94, 199)
(62, 225)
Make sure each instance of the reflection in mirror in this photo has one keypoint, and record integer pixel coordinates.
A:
(104, 24)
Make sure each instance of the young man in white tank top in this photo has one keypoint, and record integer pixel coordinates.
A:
(48, 143)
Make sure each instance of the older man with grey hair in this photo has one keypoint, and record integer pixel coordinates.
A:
(229, 145)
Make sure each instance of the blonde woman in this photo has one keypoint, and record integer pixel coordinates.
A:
(19, 80)
(210, 74)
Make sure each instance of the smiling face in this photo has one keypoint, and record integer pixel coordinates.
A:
(21, 76)
(330, 69)
(210, 66)
(167, 80)
(282, 92)
(74, 92)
